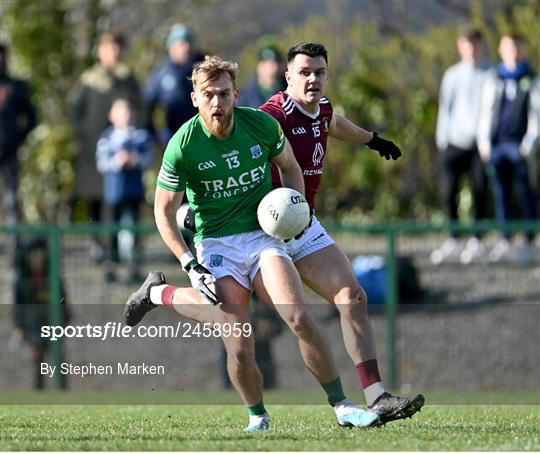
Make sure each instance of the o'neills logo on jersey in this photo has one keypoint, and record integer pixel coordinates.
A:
(231, 186)
(298, 130)
(318, 154)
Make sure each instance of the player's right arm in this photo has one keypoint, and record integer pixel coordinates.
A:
(166, 204)
(171, 184)
(170, 187)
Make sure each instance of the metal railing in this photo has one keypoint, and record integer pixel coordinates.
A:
(391, 231)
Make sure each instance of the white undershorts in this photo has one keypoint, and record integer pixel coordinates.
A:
(238, 255)
(314, 239)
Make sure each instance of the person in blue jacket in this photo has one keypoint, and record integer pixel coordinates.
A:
(268, 80)
(123, 153)
(169, 85)
(508, 138)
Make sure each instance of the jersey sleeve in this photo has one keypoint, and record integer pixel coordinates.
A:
(276, 135)
(172, 175)
(275, 110)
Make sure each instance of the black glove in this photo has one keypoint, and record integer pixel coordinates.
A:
(189, 220)
(385, 148)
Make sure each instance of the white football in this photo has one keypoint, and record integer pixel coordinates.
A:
(181, 215)
(283, 213)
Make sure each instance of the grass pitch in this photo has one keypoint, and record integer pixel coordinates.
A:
(294, 428)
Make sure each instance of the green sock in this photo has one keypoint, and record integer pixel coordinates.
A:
(334, 391)
(257, 410)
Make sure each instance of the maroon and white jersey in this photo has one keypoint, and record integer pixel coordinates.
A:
(307, 134)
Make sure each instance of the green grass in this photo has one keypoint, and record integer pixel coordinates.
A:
(231, 397)
(294, 428)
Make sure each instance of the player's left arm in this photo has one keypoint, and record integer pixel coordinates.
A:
(290, 172)
(342, 128)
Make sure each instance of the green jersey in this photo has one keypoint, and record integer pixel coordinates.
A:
(224, 180)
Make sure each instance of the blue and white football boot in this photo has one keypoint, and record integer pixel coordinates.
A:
(258, 423)
(350, 415)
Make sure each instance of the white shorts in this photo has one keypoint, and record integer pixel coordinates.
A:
(314, 239)
(238, 255)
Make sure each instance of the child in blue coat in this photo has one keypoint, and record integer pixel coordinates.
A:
(123, 153)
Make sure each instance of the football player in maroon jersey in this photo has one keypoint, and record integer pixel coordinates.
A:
(307, 119)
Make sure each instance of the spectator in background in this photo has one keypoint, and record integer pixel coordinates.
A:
(17, 119)
(457, 122)
(31, 310)
(169, 85)
(123, 153)
(507, 138)
(268, 80)
(98, 86)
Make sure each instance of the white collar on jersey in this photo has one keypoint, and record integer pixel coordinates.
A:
(301, 109)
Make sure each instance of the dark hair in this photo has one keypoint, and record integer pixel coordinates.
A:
(309, 49)
(113, 37)
(515, 36)
(3, 49)
(471, 34)
(28, 245)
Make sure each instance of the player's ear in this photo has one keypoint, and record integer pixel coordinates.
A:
(236, 93)
(288, 77)
(194, 99)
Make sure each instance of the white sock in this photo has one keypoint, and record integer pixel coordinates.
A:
(373, 391)
(155, 293)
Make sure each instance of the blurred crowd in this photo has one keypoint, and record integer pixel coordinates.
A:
(487, 134)
(487, 129)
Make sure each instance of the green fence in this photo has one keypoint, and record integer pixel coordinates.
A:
(391, 232)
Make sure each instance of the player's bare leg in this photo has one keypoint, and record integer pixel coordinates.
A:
(234, 309)
(278, 282)
(337, 283)
(282, 284)
(191, 304)
(241, 365)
